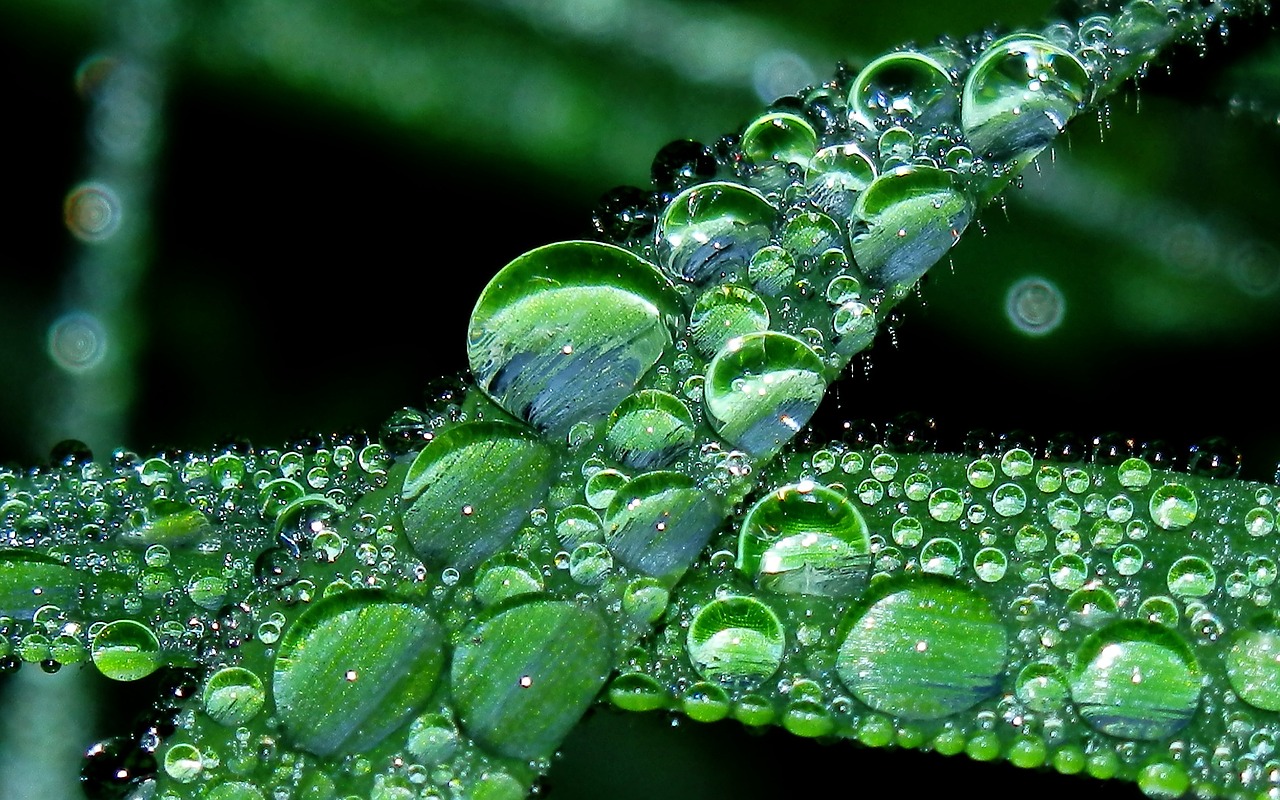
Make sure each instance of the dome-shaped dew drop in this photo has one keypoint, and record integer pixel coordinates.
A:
(659, 522)
(1020, 95)
(762, 389)
(650, 429)
(564, 332)
(453, 515)
(904, 222)
(125, 650)
(779, 138)
(904, 88)
(713, 229)
(353, 668)
(923, 648)
(736, 641)
(523, 677)
(233, 696)
(726, 312)
(805, 538)
(1253, 662)
(1136, 680)
(836, 176)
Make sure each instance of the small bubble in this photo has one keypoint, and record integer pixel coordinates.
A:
(1034, 306)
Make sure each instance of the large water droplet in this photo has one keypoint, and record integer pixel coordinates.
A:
(904, 222)
(1020, 95)
(453, 515)
(1136, 680)
(835, 177)
(904, 88)
(522, 678)
(779, 138)
(926, 648)
(1253, 663)
(564, 332)
(737, 641)
(659, 522)
(726, 312)
(233, 696)
(762, 389)
(1173, 506)
(713, 229)
(805, 539)
(125, 650)
(649, 429)
(354, 667)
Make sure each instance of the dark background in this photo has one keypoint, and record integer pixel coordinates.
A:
(316, 245)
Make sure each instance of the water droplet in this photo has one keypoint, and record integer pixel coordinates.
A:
(1068, 571)
(523, 678)
(923, 649)
(990, 564)
(433, 739)
(772, 270)
(1191, 576)
(946, 504)
(1009, 500)
(564, 332)
(1019, 95)
(805, 539)
(905, 221)
(723, 313)
(125, 650)
(183, 763)
(233, 696)
(1136, 680)
(451, 517)
(941, 557)
(1259, 522)
(1031, 539)
(1128, 559)
(660, 522)
(354, 667)
(810, 235)
(713, 229)
(504, 576)
(645, 600)
(1173, 506)
(779, 138)
(835, 177)
(736, 641)
(1253, 662)
(762, 389)
(577, 524)
(1043, 687)
(590, 564)
(903, 88)
(682, 163)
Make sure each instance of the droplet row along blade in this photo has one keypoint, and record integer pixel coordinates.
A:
(1110, 620)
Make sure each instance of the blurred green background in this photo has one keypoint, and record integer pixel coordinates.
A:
(285, 209)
